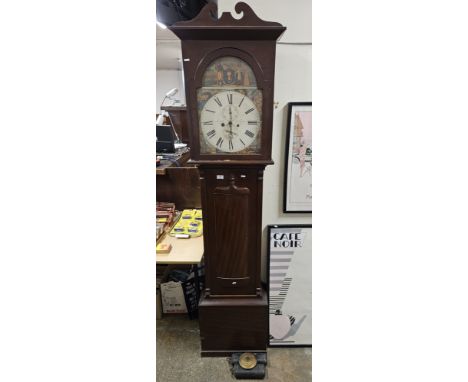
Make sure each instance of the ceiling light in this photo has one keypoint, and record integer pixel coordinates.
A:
(161, 25)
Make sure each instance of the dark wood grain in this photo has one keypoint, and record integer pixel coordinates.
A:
(180, 185)
(233, 325)
(178, 118)
(232, 209)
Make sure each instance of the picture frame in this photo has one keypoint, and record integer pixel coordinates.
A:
(289, 259)
(297, 196)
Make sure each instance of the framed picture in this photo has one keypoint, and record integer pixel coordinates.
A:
(290, 285)
(298, 174)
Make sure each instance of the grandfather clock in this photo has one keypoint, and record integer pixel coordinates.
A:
(229, 67)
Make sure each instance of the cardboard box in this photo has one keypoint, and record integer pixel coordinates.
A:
(172, 297)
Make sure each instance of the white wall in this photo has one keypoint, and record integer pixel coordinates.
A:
(165, 81)
(296, 15)
(293, 83)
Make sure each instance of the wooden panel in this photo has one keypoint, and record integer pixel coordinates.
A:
(178, 117)
(231, 211)
(230, 325)
(180, 185)
(231, 225)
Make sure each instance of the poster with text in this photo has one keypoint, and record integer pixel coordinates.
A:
(290, 285)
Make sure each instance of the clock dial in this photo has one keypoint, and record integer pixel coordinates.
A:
(229, 109)
(230, 121)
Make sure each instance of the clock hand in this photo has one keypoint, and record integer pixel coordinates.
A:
(230, 132)
(230, 121)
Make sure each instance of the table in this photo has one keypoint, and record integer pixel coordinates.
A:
(184, 251)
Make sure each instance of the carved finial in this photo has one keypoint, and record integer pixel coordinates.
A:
(207, 20)
(248, 16)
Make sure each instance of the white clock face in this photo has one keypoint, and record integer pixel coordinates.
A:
(230, 121)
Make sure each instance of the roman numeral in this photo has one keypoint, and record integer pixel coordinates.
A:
(220, 142)
(248, 111)
(211, 111)
(218, 101)
(229, 97)
(249, 133)
(242, 100)
(210, 123)
(211, 134)
(242, 141)
(252, 122)
(231, 146)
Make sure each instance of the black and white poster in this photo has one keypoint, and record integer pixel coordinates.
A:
(290, 285)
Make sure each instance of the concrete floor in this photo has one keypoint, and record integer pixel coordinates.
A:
(178, 357)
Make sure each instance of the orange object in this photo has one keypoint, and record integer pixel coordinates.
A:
(163, 249)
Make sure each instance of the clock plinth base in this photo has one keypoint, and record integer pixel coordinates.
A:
(233, 325)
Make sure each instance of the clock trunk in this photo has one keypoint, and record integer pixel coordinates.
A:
(233, 309)
(232, 213)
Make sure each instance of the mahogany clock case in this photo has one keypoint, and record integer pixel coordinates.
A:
(233, 310)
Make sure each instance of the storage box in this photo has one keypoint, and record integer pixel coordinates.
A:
(172, 297)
